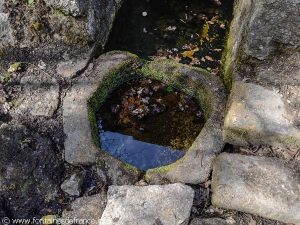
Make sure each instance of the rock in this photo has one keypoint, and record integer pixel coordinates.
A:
(115, 172)
(101, 17)
(71, 7)
(168, 205)
(258, 116)
(268, 187)
(6, 30)
(72, 185)
(71, 68)
(30, 172)
(98, 17)
(88, 208)
(209, 221)
(195, 166)
(259, 29)
(40, 97)
(259, 26)
(80, 147)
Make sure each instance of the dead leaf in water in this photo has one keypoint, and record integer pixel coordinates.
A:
(209, 58)
(190, 54)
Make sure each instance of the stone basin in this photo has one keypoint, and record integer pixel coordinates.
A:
(113, 69)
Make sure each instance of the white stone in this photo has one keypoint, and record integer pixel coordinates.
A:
(147, 205)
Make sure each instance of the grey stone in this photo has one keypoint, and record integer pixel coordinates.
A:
(196, 165)
(257, 116)
(40, 97)
(79, 145)
(115, 172)
(168, 205)
(72, 185)
(101, 17)
(268, 187)
(70, 69)
(72, 7)
(262, 24)
(272, 22)
(30, 171)
(6, 31)
(98, 16)
(209, 221)
(86, 209)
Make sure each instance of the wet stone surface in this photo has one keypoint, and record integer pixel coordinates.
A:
(191, 32)
(149, 124)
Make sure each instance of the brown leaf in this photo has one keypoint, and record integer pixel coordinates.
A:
(209, 58)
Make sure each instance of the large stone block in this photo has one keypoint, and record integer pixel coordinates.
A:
(79, 144)
(268, 187)
(260, 25)
(168, 205)
(72, 7)
(258, 116)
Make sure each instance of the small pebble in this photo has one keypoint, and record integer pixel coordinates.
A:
(144, 13)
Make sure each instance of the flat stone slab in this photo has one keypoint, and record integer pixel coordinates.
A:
(268, 187)
(40, 97)
(79, 145)
(147, 205)
(258, 116)
(86, 209)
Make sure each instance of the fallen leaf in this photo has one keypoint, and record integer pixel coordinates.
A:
(190, 54)
(209, 58)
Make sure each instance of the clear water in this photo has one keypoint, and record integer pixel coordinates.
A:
(140, 154)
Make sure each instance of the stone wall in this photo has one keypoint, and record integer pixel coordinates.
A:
(71, 22)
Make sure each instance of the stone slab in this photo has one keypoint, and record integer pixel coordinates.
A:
(88, 209)
(257, 116)
(168, 205)
(268, 187)
(40, 97)
(79, 145)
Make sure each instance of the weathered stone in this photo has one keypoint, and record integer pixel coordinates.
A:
(6, 31)
(258, 116)
(30, 171)
(101, 17)
(98, 17)
(209, 221)
(168, 205)
(79, 145)
(72, 185)
(196, 164)
(71, 68)
(115, 172)
(268, 187)
(263, 24)
(86, 209)
(72, 7)
(258, 29)
(40, 98)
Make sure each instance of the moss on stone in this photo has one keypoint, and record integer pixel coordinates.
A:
(184, 78)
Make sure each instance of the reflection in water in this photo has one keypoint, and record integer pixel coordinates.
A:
(137, 153)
